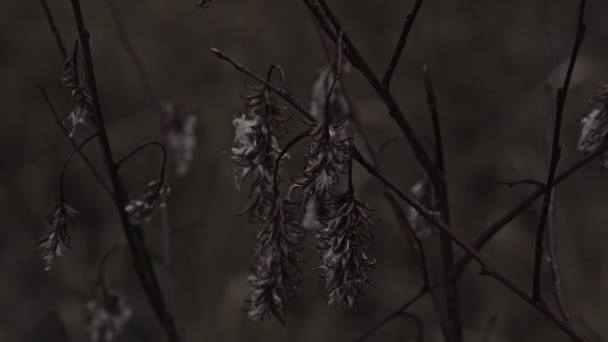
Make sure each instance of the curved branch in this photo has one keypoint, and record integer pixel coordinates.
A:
(277, 163)
(142, 147)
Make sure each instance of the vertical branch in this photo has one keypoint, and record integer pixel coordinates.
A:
(407, 27)
(134, 234)
(441, 197)
(551, 242)
(562, 94)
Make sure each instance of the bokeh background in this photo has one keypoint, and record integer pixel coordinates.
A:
(489, 61)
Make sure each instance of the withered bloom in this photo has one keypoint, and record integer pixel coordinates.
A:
(82, 102)
(594, 126)
(422, 192)
(276, 271)
(344, 245)
(141, 209)
(338, 105)
(255, 148)
(108, 314)
(55, 237)
(326, 159)
(178, 133)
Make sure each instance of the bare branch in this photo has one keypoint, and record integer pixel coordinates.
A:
(562, 94)
(407, 27)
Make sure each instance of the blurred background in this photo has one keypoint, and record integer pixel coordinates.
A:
(489, 61)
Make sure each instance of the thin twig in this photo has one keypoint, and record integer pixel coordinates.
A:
(512, 184)
(442, 199)
(407, 27)
(562, 94)
(391, 316)
(67, 162)
(74, 144)
(54, 29)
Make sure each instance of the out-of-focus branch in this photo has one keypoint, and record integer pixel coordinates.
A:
(443, 204)
(562, 94)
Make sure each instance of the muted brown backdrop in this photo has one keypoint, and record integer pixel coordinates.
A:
(489, 60)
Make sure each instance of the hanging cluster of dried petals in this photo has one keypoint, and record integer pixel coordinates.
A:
(255, 148)
(108, 314)
(344, 246)
(81, 100)
(594, 126)
(178, 133)
(141, 209)
(422, 192)
(326, 159)
(55, 237)
(276, 271)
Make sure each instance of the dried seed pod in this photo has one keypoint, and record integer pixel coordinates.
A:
(594, 126)
(108, 314)
(344, 246)
(255, 148)
(276, 271)
(326, 159)
(55, 237)
(141, 209)
(178, 133)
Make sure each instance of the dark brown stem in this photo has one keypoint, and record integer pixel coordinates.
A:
(54, 29)
(405, 32)
(277, 163)
(441, 197)
(562, 94)
(284, 80)
(163, 164)
(392, 316)
(141, 256)
(551, 239)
